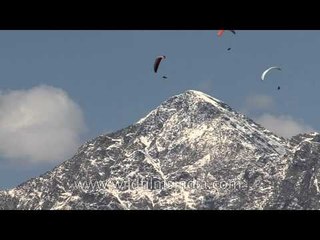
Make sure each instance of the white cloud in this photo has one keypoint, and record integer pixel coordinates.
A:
(41, 124)
(259, 102)
(283, 125)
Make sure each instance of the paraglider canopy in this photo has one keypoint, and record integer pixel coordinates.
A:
(267, 71)
(157, 62)
(220, 32)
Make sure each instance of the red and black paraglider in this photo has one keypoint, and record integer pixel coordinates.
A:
(157, 62)
(221, 32)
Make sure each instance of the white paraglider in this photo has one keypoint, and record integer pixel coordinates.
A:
(267, 71)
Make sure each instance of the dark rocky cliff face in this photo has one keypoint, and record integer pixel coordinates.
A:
(300, 189)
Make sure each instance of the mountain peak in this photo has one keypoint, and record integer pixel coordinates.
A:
(190, 102)
(200, 96)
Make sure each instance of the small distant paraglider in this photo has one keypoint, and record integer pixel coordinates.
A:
(157, 62)
(165, 77)
(229, 49)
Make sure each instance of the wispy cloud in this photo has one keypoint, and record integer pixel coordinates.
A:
(283, 125)
(259, 102)
(41, 124)
(205, 86)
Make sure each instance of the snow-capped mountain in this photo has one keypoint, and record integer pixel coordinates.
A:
(191, 152)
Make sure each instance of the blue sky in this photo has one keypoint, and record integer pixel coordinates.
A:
(108, 77)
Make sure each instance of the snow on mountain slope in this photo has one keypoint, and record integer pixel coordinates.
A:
(191, 152)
